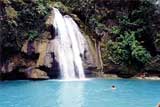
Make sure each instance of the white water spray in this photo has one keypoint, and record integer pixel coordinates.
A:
(70, 46)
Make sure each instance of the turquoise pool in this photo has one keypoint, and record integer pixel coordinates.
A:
(88, 93)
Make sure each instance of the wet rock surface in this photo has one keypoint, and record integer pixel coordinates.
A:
(36, 74)
(38, 58)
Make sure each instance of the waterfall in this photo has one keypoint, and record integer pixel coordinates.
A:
(70, 46)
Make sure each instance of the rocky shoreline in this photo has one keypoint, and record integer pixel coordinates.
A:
(104, 76)
(148, 78)
(115, 76)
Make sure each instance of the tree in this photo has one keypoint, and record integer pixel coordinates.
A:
(126, 50)
(20, 20)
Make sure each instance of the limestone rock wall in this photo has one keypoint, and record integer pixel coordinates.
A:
(37, 60)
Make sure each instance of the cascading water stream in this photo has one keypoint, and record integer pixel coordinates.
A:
(70, 46)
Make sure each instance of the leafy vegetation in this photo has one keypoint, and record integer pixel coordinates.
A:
(132, 44)
(20, 20)
(127, 31)
(126, 50)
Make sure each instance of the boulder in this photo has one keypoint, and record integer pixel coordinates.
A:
(40, 47)
(36, 74)
(49, 20)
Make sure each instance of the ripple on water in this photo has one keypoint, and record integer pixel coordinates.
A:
(80, 93)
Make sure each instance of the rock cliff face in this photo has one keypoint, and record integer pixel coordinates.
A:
(25, 65)
(37, 60)
(97, 19)
(93, 62)
(102, 15)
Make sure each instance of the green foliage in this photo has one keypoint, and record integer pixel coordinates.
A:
(61, 7)
(131, 26)
(128, 51)
(117, 52)
(43, 6)
(115, 30)
(21, 20)
(23, 17)
(90, 13)
(132, 39)
(32, 35)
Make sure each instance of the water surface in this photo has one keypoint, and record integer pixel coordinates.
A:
(88, 93)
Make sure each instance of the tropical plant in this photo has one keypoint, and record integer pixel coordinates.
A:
(20, 20)
(126, 50)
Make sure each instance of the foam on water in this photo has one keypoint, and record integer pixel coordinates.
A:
(70, 46)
